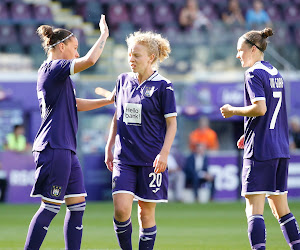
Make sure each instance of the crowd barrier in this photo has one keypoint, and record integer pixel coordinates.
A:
(20, 171)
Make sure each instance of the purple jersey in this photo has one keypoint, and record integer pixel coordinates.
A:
(141, 113)
(266, 137)
(56, 95)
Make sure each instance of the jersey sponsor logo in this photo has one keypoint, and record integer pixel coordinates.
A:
(148, 91)
(132, 113)
(56, 191)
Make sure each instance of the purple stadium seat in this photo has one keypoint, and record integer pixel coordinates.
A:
(8, 34)
(297, 35)
(274, 13)
(209, 11)
(28, 35)
(117, 13)
(163, 14)
(4, 16)
(141, 16)
(283, 36)
(292, 14)
(42, 13)
(20, 12)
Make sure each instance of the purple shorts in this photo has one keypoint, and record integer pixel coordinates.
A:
(58, 175)
(141, 182)
(265, 177)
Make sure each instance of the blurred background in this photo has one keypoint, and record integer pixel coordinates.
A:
(202, 67)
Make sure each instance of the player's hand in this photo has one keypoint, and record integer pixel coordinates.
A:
(109, 159)
(240, 142)
(160, 163)
(226, 111)
(103, 25)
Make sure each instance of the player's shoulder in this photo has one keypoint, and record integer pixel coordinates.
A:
(262, 67)
(126, 76)
(156, 77)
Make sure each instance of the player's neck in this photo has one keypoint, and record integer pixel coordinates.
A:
(144, 75)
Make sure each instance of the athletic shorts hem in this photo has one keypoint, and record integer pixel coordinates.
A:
(267, 193)
(47, 199)
(123, 192)
(75, 195)
(147, 200)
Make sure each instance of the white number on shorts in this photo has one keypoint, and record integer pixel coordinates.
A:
(155, 178)
(43, 103)
(276, 94)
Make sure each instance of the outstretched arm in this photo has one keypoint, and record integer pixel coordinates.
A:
(258, 108)
(95, 52)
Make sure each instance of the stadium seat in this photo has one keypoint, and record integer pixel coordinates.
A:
(8, 35)
(274, 13)
(28, 35)
(117, 13)
(42, 13)
(162, 14)
(209, 11)
(20, 13)
(90, 11)
(292, 14)
(141, 16)
(297, 35)
(4, 15)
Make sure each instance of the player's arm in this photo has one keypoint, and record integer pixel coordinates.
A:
(161, 159)
(110, 143)
(95, 52)
(258, 108)
(90, 104)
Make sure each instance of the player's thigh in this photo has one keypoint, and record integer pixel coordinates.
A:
(255, 204)
(74, 200)
(122, 206)
(279, 205)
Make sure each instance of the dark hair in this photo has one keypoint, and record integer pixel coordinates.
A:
(258, 38)
(50, 36)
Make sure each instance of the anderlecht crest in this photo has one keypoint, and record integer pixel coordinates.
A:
(56, 190)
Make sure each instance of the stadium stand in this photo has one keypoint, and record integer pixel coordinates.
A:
(126, 16)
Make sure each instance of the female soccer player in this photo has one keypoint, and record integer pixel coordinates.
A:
(265, 141)
(143, 130)
(58, 173)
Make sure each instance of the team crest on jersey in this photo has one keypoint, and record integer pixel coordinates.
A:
(55, 191)
(148, 91)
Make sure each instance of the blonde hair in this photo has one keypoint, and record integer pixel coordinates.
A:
(154, 42)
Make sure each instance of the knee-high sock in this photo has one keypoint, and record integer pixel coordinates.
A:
(73, 225)
(39, 225)
(123, 232)
(290, 230)
(257, 231)
(147, 238)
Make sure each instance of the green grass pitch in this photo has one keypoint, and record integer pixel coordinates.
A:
(209, 226)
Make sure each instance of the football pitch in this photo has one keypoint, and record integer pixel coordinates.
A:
(210, 226)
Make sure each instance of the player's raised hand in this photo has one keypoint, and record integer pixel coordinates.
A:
(226, 111)
(103, 25)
